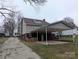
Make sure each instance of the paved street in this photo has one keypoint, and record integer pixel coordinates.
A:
(14, 49)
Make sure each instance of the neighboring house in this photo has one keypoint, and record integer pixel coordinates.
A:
(7, 33)
(70, 32)
(41, 29)
(16, 31)
(2, 31)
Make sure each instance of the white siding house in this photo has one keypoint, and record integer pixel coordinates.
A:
(41, 28)
(28, 25)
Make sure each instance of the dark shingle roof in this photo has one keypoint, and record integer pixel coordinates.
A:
(34, 22)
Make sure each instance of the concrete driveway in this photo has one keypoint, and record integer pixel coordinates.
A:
(52, 42)
(14, 49)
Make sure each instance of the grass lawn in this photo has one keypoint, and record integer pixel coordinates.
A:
(69, 39)
(59, 51)
(2, 40)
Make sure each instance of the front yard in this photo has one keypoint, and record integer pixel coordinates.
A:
(2, 40)
(59, 51)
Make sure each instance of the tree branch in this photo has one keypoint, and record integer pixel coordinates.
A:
(36, 2)
(6, 9)
(3, 15)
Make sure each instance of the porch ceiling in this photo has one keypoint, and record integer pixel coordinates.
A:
(49, 30)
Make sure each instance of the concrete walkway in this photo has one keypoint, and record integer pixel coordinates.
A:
(14, 49)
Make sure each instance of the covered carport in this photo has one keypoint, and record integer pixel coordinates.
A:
(55, 27)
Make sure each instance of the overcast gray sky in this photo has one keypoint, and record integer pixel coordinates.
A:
(53, 10)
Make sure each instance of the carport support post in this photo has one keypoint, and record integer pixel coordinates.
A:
(73, 36)
(59, 35)
(37, 35)
(42, 38)
(46, 36)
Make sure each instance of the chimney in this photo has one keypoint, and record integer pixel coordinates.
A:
(44, 20)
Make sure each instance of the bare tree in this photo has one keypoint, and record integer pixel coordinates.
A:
(69, 22)
(36, 2)
(69, 19)
(9, 25)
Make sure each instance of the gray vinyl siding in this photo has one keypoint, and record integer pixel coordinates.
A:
(28, 29)
(60, 26)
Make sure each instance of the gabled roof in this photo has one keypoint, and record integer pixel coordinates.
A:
(68, 24)
(34, 22)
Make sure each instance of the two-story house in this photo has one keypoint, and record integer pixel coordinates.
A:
(42, 30)
(27, 25)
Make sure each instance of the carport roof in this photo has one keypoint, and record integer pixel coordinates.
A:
(57, 26)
